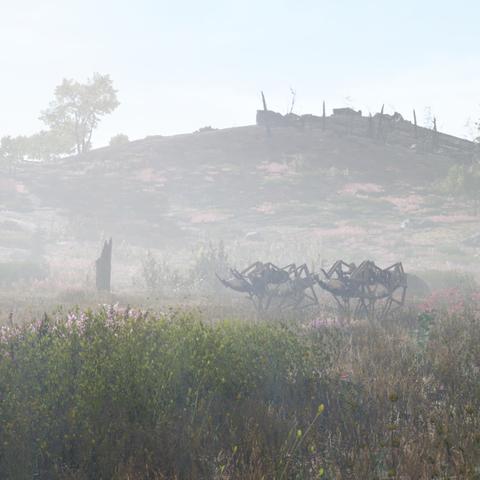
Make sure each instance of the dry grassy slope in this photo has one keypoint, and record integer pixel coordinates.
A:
(224, 183)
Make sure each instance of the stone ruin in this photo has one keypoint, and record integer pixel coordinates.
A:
(380, 127)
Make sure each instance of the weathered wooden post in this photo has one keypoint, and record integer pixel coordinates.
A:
(103, 268)
(380, 125)
(435, 134)
(265, 109)
(324, 117)
(264, 103)
(415, 123)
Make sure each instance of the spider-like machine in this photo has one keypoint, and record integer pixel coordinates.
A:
(271, 287)
(366, 290)
(363, 291)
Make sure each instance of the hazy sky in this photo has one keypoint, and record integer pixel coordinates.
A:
(180, 65)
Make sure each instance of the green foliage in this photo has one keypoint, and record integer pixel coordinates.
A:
(464, 181)
(119, 140)
(44, 145)
(93, 393)
(210, 260)
(159, 276)
(13, 150)
(48, 145)
(78, 107)
(71, 119)
(425, 322)
(128, 395)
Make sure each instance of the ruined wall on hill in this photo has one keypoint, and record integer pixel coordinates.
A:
(382, 128)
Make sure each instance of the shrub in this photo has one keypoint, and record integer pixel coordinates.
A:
(92, 393)
(210, 260)
(159, 276)
(207, 128)
(129, 395)
(119, 140)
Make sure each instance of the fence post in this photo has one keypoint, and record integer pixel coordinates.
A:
(435, 134)
(323, 116)
(264, 102)
(415, 123)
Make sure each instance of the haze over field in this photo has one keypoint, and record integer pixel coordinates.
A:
(182, 65)
(239, 240)
(317, 130)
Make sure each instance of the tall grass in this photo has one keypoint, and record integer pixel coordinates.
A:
(125, 394)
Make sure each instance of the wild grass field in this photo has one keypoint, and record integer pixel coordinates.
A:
(171, 376)
(116, 392)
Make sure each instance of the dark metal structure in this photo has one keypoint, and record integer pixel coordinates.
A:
(270, 287)
(367, 290)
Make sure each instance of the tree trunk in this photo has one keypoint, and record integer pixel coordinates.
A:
(77, 137)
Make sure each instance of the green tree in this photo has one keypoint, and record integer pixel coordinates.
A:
(48, 145)
(77, 109)
(463, 181)
(44, 145)
(13, 150)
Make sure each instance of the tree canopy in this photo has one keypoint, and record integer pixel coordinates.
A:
(12, 150)
(77, 109)
(71, 118)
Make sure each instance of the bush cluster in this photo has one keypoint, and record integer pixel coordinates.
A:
(117, 393)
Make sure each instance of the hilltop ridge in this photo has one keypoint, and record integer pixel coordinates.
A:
(299, 175)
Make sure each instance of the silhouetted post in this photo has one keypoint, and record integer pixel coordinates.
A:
(415, 123)
(435, 133)
(264, 103)
(324, 116)
(103, 268)
(265, 109)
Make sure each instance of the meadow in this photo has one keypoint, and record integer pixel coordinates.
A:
(114, 392)
(170, 376)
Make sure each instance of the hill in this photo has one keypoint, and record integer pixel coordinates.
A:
(345, 185)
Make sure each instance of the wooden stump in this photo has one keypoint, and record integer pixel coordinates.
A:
(103, 268)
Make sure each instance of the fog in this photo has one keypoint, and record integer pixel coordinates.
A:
(239, 240)
(203, 139)
(179, 67)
